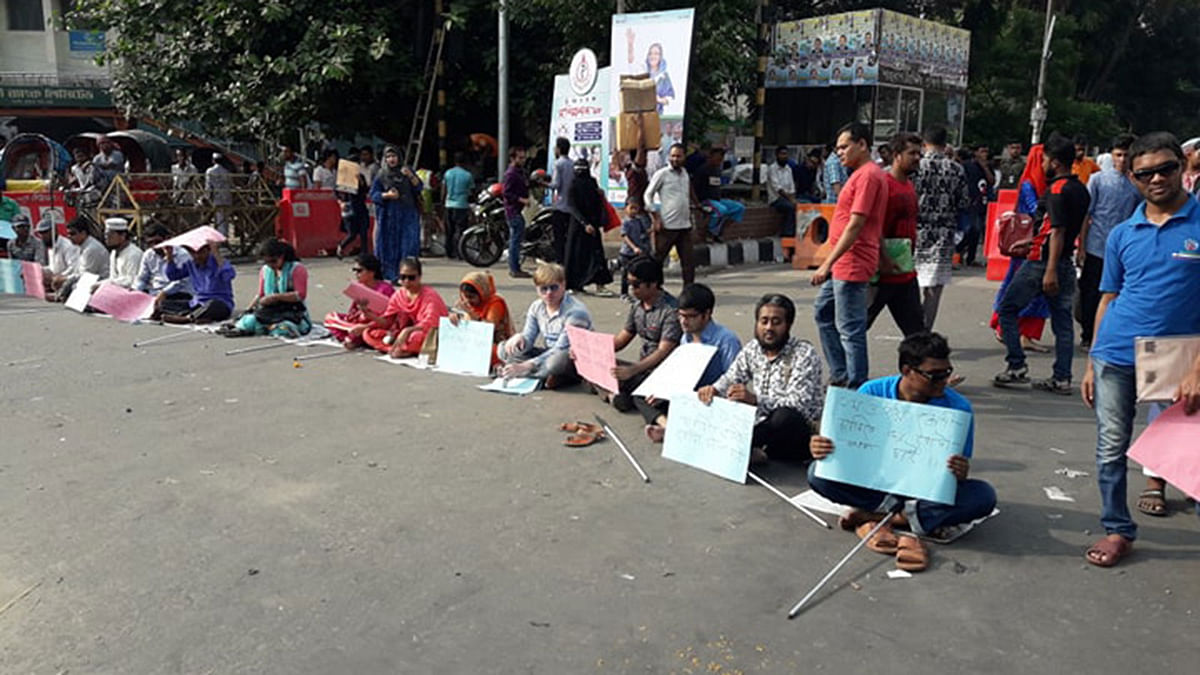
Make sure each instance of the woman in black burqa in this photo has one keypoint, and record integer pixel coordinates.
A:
(585, 263)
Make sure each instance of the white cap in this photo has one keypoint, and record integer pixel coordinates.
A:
(1191, 144)
(116, 225)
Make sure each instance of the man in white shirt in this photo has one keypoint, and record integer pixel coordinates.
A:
(61, 252)
(124, 257)
(218, 184)
(781, 190)
(92, 257)
(183, 175)
(673, 226)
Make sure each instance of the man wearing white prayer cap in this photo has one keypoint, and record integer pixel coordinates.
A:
(1191, 172)
(124, 257)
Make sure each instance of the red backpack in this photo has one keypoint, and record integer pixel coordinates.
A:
(1015, 234)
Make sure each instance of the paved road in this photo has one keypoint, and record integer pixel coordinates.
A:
(179, 511)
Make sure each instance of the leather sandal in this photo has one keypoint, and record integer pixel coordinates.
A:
(911, 554)
(582, 440)
(581, 427)
(884, 541)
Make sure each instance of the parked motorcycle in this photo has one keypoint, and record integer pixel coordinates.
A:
(486, 239)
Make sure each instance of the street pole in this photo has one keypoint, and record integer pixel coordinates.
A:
(760, 94)
(1037, 116)
(502, 95)
(620, 6)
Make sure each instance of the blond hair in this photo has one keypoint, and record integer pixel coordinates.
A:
(548, 273)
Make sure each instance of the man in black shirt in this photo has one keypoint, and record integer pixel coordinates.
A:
(706, 181)
(979, 190)
(1048, 271)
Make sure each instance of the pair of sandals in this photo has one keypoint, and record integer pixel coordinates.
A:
(582, 434)
(911, 553)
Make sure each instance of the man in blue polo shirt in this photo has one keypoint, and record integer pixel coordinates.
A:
(925, 369)
(1150, 285)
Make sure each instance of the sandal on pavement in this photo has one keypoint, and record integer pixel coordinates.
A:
(581, 427)
(1108, 552)
(581, 440)
(911, 554)
(1153, 502)
(885, 540)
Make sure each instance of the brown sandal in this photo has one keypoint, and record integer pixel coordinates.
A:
(884, 541)
(911, 554)
(1111, 549)
(581, 427)
(582, 440)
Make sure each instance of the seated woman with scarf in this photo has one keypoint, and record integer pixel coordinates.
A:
(411, 313)
(478, 301)
(348, 327)
(278, 308)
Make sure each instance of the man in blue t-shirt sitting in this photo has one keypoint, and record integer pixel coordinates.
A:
(924, 371)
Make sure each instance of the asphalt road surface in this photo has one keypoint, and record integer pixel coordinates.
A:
(170, 509)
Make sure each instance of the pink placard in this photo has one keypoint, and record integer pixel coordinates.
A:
(377, 301)
(121, 303)
(1170, 447)
(195, 238)
(594, 356)
(35, 284)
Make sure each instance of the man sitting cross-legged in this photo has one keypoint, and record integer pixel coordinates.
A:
(782, 376)
(924, 371)
(547, 318)
(653, 317)
(696, 304)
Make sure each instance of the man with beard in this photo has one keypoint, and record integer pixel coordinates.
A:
(781, 376)
(1150, 285)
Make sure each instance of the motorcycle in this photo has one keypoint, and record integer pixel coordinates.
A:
(486, 239)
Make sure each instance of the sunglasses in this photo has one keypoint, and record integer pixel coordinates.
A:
(548, 288)
(409, 277)
(356, 270)
(1164, 170)
(935, 375)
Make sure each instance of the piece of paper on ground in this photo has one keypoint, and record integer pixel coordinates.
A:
(78, 300)
(893, 446)
(418, 362)
(594, 357)
(678, 373)
(814, 501)
(518, 386)
(11, 280)
(715, 438)
(35, 283)
(1168, 447)
(466, 348)
(121, 303)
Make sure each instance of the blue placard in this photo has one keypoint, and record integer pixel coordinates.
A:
(11, 281)
(894, 446)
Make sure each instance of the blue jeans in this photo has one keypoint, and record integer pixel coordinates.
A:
(1026, 285)
(841, 314)
(516, 234)
(1116, 407)
(973, 499)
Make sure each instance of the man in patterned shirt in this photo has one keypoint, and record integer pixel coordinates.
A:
(941, 186)
(779, 374)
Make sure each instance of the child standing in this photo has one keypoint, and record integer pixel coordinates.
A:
(635, 239)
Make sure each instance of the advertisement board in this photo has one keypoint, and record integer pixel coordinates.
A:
(580, 114)
(658, 44)
(826, 51)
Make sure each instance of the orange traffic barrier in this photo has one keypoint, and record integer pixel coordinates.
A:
(808, 250)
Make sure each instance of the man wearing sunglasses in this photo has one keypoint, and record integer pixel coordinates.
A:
(925, 369)
(1049, 271)
(654, 317)
(548, 318)
(1150, 287)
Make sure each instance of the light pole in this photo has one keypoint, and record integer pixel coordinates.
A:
(502, 94)
(1037, 115)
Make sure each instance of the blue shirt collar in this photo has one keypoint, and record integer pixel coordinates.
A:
(1188, 212)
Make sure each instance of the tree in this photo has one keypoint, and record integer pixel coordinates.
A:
(253, 69)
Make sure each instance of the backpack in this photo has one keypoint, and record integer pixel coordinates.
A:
(1015, 234)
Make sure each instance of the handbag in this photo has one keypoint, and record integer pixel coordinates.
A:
(1015, 234)
(269, 315)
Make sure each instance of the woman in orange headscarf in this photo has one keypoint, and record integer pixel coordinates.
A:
(478, 301)
(1031, 320)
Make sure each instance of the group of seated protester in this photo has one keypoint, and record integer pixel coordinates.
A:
(781, 375)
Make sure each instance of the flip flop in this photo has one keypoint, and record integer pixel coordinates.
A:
(580, 427)
(885, 540)
(581, 440)
(1114, 550)
(1156, 501)
(911, 554)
